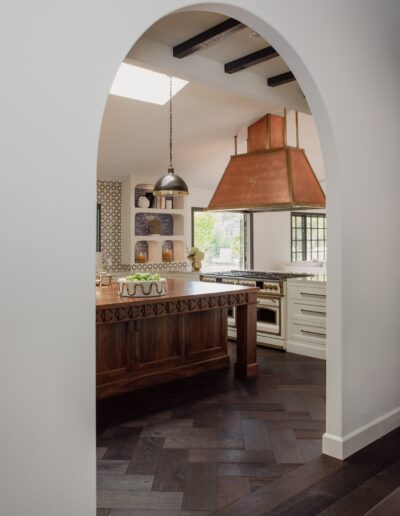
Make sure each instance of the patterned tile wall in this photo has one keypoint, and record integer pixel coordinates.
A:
(109, 196)
(142, 220)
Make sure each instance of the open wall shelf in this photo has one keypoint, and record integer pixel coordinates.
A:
(137, 242)
(146, 190)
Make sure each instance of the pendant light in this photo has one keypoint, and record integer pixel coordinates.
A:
(170, 184)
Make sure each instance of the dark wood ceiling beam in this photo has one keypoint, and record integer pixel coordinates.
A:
(208, 37)
(278, 80)
(265, 54)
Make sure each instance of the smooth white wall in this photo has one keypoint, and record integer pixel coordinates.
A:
(58, 61)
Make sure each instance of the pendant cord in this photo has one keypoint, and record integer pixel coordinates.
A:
(170, 123)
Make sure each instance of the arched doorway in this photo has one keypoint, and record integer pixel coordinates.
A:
(298, 64)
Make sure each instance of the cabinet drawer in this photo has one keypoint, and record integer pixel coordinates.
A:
(313, 293)
(307, 313)
(300, 332)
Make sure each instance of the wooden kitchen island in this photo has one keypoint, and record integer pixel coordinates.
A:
(145, 341)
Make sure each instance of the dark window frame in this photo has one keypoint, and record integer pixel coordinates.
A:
(248, 234)
(98, 228)
(304, 240)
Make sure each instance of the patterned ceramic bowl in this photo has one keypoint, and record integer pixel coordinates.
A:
(129, 288)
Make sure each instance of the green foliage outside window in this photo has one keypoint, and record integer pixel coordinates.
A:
(222, 238)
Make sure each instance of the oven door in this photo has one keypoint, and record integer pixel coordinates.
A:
(269, 315)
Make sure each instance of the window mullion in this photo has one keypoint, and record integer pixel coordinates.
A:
(304, 237)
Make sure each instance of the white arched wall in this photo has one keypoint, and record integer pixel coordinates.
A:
(60, 59)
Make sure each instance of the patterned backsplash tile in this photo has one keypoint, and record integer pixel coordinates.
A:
(109, 196)
(142, 220)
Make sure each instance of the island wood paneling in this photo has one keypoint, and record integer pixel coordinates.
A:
(145, 341)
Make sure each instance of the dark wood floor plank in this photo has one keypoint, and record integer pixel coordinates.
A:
(145, 457)
(285, 446)
(132, 483)
(272, 415)
(225, 419)
(119, 453)
(315, 406)
(100, 451)
(114, 467)
(267, 471)
(293, 401)
(118, 499)
(389, 506)
(368, 494)
(231, 489)
(200, 492)
(170, 474)
(268, 497)
(255, 434)
(232, 456)
(310, 448)
(324, 493)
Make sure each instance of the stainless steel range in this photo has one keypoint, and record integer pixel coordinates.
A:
(271, 302)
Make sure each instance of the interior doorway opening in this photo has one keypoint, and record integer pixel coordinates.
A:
(142, 430)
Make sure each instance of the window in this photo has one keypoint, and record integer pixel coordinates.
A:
(137, 83)
(224, 237)
(308, 237)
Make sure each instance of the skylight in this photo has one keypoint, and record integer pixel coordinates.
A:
(134, 82)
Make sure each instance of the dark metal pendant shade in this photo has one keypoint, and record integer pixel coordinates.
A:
(170, 184)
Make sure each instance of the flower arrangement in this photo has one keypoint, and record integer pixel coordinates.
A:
(195, 255)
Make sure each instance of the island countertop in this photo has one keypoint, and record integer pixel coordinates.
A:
(154, 339)
(176, 289)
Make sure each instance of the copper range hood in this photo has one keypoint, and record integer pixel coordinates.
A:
(271, 176)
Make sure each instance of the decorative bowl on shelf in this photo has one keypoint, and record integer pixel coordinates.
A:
(143, 202)
(142, 285)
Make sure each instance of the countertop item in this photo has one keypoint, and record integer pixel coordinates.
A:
(148, 288)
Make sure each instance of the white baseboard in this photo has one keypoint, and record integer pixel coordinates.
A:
(342, 447)
(309, 350)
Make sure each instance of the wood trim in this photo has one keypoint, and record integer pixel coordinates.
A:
(278, 80)
(265, 54)
(207, 38)
(158, 309)
(148, 378)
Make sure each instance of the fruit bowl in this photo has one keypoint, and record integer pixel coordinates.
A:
(142, 285)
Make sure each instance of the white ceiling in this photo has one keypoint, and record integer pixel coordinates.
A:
(208, 112)
(174, 29)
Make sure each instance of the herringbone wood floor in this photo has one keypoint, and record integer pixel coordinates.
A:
(214, 445)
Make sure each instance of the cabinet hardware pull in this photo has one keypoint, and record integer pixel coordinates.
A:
(130, 326)
(313, 333)
(311, 294)
(312, 311)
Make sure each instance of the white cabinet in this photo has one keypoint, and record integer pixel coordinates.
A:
(307, 317)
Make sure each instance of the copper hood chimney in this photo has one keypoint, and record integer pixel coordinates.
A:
(272, 176)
